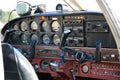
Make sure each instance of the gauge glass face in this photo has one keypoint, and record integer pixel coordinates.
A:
(85, 68)
(55, 26)
(56, 39)
(23, 26)
(16, 27)
(46, 39)
(34, 25)
(45, 26)
(24, 38)
(34, 37)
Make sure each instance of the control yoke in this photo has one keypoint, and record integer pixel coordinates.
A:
(79, 56)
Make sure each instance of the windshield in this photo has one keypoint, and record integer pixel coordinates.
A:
(113, 6)
(51, 4)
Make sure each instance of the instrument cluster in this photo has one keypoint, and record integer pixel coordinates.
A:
(41, 31)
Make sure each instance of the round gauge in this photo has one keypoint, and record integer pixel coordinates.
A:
(34, 37)
(24, 38)
(16, 27)
(85, 68)
(56, 39)
(45, 26)
(46, 39)
(55, 26)
(23, 26)
(43, 65)
(34, 25)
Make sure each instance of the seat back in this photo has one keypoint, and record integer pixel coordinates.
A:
(16, 66)
(10, 65)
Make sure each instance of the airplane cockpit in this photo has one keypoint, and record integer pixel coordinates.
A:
(65, 45)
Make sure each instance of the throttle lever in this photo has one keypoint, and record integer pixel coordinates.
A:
(63, 40)
(64, 37)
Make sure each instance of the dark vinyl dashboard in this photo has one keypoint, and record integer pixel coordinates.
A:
(46, 29)
(38, 37)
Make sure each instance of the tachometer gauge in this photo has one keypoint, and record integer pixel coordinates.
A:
(24, 38)
(55, 26)
(46, 39)
(45, 26)
(56, 39)
(16, 27)
(34, 25)
(34, 38)
(23, 26)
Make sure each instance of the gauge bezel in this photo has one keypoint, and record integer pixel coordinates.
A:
(24, 41)
(54, 40)
(23, 26)
(55, 25)
(45, 26)
(32, 27)
(36, 36)
(85, 68)
(43, 38)
(16, 27)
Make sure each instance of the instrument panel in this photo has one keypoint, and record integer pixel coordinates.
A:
(86, 30)
(46, 30)
(39, 37)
